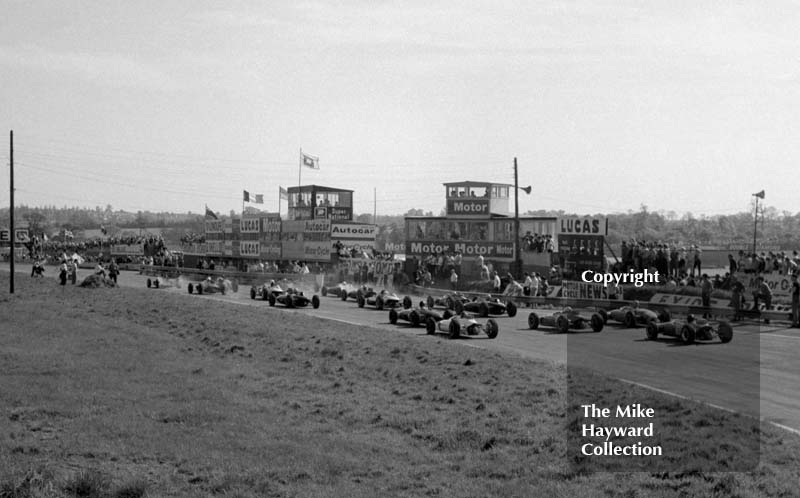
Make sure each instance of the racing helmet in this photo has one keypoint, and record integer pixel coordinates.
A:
(690, 318)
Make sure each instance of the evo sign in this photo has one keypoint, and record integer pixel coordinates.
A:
(468, 207)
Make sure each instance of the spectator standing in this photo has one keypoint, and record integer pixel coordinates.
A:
(453, 279)
(705, 293)
(496, 283)
(764, 293)
(113, 270)
(795, 302)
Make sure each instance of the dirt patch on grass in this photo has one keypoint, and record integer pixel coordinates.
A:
(173, 395)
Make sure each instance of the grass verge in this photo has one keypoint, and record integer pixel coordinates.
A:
(136, 392)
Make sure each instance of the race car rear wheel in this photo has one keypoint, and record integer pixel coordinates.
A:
(483, 310)
(492, 328)
(533, 321)
(324, 291)
(156, 284)
(315, 301)
(191, 287)
(149, 283)
(392, 316)
(379, 303)
(414, 317)
(455, 328)
(458, 307)
(511, 309)
(252, 293)
(361, 301)
(430, 326)
(687, 334)
(630, 320)
(430, 302)
(652, 331)
(725, 332)
(604, 315)
(271, 299)
(562, 323)
(343, 295)
(597, 322)
(407, 302)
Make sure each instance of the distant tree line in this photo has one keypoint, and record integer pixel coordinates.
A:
(779, 229)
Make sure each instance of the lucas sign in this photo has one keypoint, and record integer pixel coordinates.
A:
(583, 225)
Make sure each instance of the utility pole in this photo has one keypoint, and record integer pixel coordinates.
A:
(11, 213)
(517, 255)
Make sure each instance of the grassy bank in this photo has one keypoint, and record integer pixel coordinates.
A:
(134, 392)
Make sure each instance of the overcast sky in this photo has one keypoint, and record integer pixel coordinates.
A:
(153, 105)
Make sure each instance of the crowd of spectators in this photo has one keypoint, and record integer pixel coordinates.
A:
(538, 243)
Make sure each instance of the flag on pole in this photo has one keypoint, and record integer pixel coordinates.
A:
(760, 195)
(210, 214)
(259, 199)
(246, 197)
(310, 161)
(282, 193)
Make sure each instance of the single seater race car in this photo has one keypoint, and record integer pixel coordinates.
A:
(336, 290)
(383, 299)
(690, 330)
(263, 291)
(293, 298)
(566, 320)
(448, 301)
(417, 316)
(485, 306)
(633, 315)
(162, 282)
(462, 324)
(212, 286)
(354, 293)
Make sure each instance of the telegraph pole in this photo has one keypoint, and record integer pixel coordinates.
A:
(11, 213)
(517, 255)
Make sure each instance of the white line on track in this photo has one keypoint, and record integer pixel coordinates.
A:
(711, 405)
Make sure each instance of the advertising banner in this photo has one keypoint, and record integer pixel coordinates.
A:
(250, 249)
(583, 290)
(493, 250)
(214, 247)
(249, 225)
(360, 231)
(271, 250)
(340, 213)
(316, 251)
(586, 225)
(127, 250)
(781, 285)
(468, 207)
(213, 226)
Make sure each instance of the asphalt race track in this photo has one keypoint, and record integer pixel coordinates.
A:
(760, 359)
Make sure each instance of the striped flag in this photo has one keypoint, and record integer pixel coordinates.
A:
(246, 196)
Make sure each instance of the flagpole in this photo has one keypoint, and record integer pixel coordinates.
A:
(299, 170)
